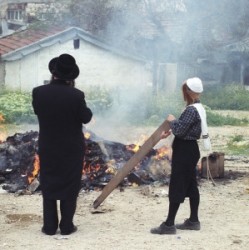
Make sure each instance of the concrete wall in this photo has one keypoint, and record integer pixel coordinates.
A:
(171, 77)
(2, 74)
(97, 67)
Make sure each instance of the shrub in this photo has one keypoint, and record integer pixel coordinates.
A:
(148, 109)
(98, 98)
(226, 97)
(214, 119)
(15, 107)
(159, 106)
(237, 145)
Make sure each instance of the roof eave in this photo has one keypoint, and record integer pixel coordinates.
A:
(61, 37)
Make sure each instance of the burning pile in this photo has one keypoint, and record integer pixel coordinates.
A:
(19, 162)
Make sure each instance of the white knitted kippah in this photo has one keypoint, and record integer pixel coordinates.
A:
(195, 84)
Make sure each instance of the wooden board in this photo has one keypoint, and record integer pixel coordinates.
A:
(134, 160)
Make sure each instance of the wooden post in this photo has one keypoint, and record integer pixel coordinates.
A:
(134, 160)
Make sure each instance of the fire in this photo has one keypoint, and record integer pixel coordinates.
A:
(91, 170)
(2, 135)
(87, 135)
(111, 168)
(35, 170)
(1, 118)
(133, 147)
(163, 152)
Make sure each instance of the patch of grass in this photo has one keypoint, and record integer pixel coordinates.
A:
(238, 150)
(237, 145)
(237, 138)
(215, 119)
(226, 97)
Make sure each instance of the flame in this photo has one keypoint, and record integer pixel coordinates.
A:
(87, 135)
(111, 167)
(136, 146)
(1, 118)
(163, 152)
(91, 170)
(2, 135)
(35, 170)
(133, 147)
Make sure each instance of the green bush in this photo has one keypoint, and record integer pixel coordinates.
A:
(159, 106)
(16, 107)
(98, 99)
(237, 145)
(214, 119)
(155, 108)
(226, 97)
(149, 109)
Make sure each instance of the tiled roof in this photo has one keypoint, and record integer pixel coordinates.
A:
(20, 44)
(24, 38)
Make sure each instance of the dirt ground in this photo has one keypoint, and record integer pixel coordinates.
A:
(124, 219)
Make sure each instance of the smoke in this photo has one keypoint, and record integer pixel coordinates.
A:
(190, 34)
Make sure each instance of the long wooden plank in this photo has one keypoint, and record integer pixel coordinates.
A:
(133, 161)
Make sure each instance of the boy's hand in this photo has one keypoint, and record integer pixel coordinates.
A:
(165, 134)
(170, 118)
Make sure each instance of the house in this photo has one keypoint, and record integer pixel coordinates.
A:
(24, 58)
(17, 14)
(238, 61)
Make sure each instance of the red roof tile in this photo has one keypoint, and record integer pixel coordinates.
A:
(24, 38)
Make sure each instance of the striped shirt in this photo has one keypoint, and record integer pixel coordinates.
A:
(188, 126)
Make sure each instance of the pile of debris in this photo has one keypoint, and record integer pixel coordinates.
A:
(19, 163)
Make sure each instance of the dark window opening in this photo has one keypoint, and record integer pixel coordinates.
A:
(76, 43)
(246, 76)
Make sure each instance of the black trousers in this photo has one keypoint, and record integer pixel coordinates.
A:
(50, 215)
(183, 182)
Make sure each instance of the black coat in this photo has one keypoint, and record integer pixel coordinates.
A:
(61, 110)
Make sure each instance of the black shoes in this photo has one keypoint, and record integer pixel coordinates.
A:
(73, 230)
(189, 225)
(164, 229)
(48, 232)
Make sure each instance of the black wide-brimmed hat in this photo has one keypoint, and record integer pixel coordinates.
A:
(64, 67)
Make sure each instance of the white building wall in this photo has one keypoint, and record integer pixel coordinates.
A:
(97, 67)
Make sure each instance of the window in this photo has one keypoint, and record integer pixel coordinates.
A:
(76, 43)
(15, 15)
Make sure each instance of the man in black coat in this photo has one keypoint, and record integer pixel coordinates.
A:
(61, 110)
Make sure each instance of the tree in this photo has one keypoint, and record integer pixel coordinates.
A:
(92, 16)
(3, 8)
(160, 31)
